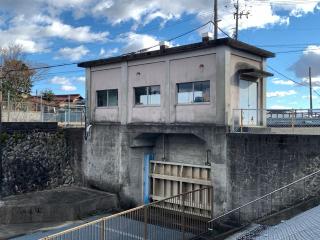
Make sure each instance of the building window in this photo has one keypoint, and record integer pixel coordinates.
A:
(193, 92)
(147, 95)
(107, 98)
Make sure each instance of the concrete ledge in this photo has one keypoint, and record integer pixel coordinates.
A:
(63, 204)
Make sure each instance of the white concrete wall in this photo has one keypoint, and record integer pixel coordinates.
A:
(237, 59)
(141, 75)
(189, 70)
(103, 79)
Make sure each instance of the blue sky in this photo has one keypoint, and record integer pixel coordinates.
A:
(68, 31)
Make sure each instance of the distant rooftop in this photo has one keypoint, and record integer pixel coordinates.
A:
(238, 45)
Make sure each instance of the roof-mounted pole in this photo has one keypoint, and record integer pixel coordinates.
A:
(215, 21)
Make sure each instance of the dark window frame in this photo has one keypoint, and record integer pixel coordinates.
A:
(107, 97)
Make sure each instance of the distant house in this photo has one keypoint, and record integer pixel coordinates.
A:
(59, 101)
(64, 99)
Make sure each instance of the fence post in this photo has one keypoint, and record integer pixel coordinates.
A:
(241, 120)
(145, 216)
(103, 230)
(183, 217)
(8, 107)
(292, 119)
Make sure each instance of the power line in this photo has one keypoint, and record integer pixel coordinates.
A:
(290, 79)
(171, 39)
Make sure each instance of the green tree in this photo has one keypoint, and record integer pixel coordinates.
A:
(48, 95)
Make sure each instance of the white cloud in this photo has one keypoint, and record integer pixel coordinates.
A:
(65, 83)
(35, 36)
(134, 41)
(81, 79)
(68, 88)
(73, 54)
(281, 93)
(108, 53)
(35, 31)
(279, 107)
(315, 81)
(60, 80)
(262, 14)
(278, 81)
(308, 97)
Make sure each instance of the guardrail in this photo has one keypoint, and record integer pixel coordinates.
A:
(268, 204)
(244, 119)
(179, 217)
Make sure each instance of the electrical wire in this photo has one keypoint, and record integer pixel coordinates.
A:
(290, 79)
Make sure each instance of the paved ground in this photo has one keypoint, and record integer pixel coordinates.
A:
(40, 230)
(116, 229)
(304, 226)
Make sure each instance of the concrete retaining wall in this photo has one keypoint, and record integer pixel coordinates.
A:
(114, 156)
(261, 163)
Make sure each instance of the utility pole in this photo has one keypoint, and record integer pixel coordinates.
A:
(215, 19)
(1, 168)
(237, 19)
(238, 15)
(310, 88)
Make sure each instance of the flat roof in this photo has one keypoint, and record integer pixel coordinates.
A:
(238, 45)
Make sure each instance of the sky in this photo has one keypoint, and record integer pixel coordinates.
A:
(55, 32)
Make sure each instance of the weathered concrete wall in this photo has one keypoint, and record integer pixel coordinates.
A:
(114, 156)
(261, 163)
(39, 157)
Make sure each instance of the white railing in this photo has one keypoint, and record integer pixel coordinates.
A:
(248, 119)
(36, 112)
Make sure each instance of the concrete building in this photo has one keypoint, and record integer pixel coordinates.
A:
(159, 119)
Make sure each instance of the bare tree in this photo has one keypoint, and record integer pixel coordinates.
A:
(17, 75)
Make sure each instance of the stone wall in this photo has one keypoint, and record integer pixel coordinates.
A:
(259, 164)
(39, 158)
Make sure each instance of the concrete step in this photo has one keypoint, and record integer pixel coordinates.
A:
(61, 204)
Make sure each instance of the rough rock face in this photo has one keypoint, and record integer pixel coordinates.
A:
(35, 161)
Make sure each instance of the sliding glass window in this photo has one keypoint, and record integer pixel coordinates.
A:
(107, 98)
(193, 92)
(149, 95)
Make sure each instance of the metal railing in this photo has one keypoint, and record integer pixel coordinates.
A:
(268, 204)
(179, 217)
(36, 112)
(244, 119)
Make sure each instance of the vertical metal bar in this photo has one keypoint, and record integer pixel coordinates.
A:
(241, 120)
(102, 230)
(292, 119)
(183, 217)
(145, 226)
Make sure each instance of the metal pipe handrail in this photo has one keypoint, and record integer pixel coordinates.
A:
(120, 214)
(284, 109)
(264, 196)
